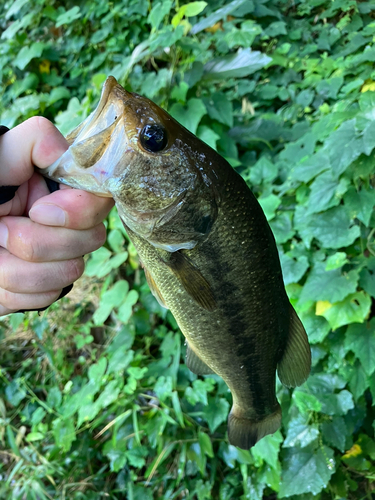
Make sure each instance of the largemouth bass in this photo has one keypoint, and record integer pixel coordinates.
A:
(208, 252)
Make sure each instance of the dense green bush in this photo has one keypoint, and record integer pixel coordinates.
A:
(95, 400)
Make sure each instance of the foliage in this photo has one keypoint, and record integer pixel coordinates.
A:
(95, 400)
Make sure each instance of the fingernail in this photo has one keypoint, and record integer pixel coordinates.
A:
(3, 235)
(50, 215)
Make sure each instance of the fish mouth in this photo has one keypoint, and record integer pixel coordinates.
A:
(97, 146)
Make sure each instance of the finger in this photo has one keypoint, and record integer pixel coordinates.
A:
(34, 242)
(12, 302)
(34, 142)
(19, 276)
(17, 205)
(78, 209)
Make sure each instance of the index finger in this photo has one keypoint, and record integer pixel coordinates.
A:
(34, 142)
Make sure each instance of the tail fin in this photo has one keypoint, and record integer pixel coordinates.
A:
(245, 433)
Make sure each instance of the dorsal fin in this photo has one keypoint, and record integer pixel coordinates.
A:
(295, 364)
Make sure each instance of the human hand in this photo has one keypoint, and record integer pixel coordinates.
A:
(42, 236)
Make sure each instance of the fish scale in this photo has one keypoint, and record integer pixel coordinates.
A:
(208, 252)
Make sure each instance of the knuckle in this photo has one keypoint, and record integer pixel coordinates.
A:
(41, 123)
(74, 269)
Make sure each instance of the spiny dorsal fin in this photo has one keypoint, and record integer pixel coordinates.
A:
(195, 364)
(154, 289)
(295, 364)
(192, 280)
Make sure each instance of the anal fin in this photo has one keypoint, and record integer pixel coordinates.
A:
(195, 364)
(294, 367)
(192, 280)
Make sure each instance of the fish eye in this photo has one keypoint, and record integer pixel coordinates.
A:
(153, 138)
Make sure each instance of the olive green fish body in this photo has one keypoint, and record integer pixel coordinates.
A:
(208, 252)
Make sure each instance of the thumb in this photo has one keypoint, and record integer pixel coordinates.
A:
(34, 142)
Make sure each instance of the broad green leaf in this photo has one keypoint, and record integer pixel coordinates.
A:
(58, 93)
(306, 402)
(336, 261)
(34, 436)
(335, 432)
(263, 171)
(69, 16)
(367, 280)
(353, 309)
(336, 404)
(158, 12)
(300, 433)
(244, 63)
(216, 412)
(361, 340)
(97, 370)
(326, 192)
(64, 433)
(14, 393)
(26, 54)
(267, 449)
(188, 10)
(333, 285)
(358, 381)
(219, 108)
(311, 166)
(281, 227)
(125, 310)
(205, 444)
(343, 147)
(360, 204)
(269, 205)
(332, 228)
(293, 269)
(317, 328)
(306, 471)
(190, 115)
(208, 136)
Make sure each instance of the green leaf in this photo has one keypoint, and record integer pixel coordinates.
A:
(269, 205)
(326, 192)
(14, 393)
(358, 381)
(328, 285)
(208, 136)
(205, 444)
(64, 433)
(306, 402)
(369, 138)
(316, 327)
(219, 108)
(334, 432)
(158, 12)
(336, 261)
(293, 269)
(26, 54)
(331, 228)
(244, 63)
(361, 340)
(217, 15)
(267, 449)
(125, 310)
(188, 10)
(306, 471)
(97, 370)
(360, 204)
(190, 115)
(353, 309)
(281, 227)
(343, 147)
(264, 171)
(216, 412)
(300, 433)
(68, 17)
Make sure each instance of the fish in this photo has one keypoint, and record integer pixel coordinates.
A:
(207, 250)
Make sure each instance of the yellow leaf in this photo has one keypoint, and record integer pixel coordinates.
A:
(354, 451)
(322, 306)
(214, 28)
(368, 85)
(44, 66)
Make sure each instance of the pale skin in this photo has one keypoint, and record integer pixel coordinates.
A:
(42, 247)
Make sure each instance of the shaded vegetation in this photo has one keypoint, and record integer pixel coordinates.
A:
(95, 400)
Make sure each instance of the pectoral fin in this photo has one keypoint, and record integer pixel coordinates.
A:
(195, 364)
(154, 289)
(295, 364)
(192, 280)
